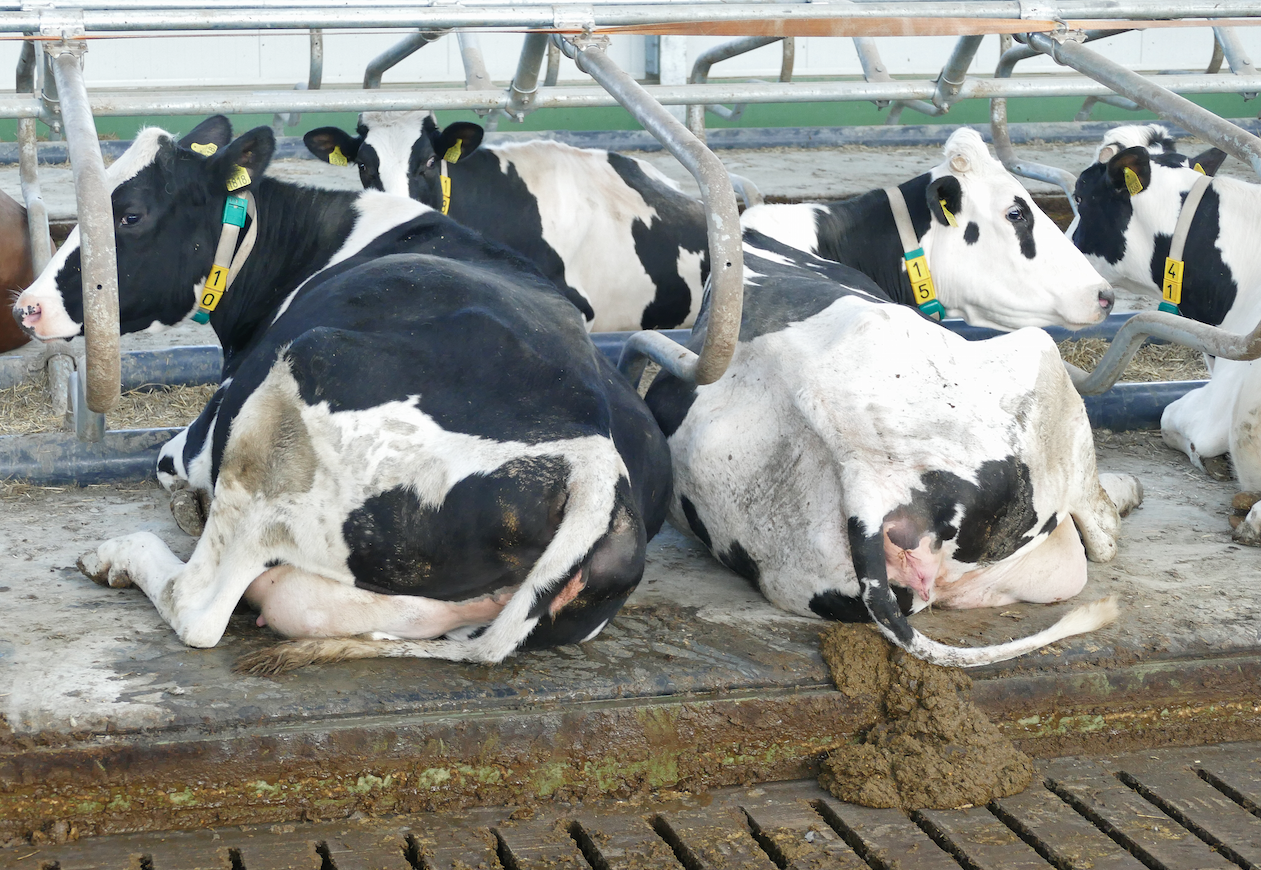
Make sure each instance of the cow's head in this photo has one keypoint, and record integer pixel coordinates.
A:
(996, 258)
(168, 198)
(1131, 194)
(400, 153)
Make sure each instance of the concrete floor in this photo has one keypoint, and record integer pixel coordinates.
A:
(698, 683)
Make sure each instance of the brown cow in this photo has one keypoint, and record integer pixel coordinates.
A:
(16, 272)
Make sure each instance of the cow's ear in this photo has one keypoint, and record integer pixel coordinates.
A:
(1131, 170)
(1208, 162)
(208, 136)
(945, 199)
(333, 145)
(458, 140)
(245, 160)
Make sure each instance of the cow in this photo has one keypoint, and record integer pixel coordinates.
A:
(609, 226)
(1129, 201)
(16, 271)
(994, 257)
(857, 461)
(416, 451)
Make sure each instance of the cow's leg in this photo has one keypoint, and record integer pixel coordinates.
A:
(1125, 491)
(297, 603)
(1054, 570)
(1198, 423)
(1098, 518)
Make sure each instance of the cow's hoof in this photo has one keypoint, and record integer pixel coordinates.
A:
(189, 513)
(1218, 468)
(1246, 521)
(1243, 502)
(99, 572)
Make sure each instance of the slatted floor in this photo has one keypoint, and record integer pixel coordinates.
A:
(1185, 809)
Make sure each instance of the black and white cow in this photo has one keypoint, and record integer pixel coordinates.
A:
(1127, 236)
(856, 460)
(611, 227)
(414, 439)
(996, 259)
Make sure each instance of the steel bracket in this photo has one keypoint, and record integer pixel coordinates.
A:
(573, 18)
(585, 40)
(64, 25)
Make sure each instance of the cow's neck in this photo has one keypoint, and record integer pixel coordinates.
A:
(861, 233)
(299, 230)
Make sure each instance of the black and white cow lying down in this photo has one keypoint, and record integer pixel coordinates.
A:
(1127, 236)
(609, 226)
(856, 453)
(995, 258)
(414, 439)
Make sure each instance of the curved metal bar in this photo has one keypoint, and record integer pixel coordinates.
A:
(747, 190)
(722, 219)
(665, 352)
(1170, 327)
(396, 54)
(700, 73)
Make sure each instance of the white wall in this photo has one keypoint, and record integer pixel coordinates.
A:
(267, 59)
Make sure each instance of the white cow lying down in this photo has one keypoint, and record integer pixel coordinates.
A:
(854, 448)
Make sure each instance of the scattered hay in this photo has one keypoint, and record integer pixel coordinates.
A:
(929, 747)
(26, 408)
(1153, 362)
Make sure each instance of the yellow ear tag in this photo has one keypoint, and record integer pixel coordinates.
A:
(238, 179)
(1171, 288)
(950, 218)
(446, 193)
(453, 153)
(337, 158)
(204, 150)
(1132, 184)
(1200, 169)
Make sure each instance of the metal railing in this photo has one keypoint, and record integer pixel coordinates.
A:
(64, 102)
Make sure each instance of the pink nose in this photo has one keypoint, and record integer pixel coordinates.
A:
(1106, 300)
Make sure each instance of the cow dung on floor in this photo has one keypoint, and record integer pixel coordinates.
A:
(929, 746)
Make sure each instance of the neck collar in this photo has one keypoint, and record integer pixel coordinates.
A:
(228, 257)
(1171, 286)
(922, 289)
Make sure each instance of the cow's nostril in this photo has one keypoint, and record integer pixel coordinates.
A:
(1106, 299)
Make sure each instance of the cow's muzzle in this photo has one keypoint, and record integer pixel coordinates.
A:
(1107, 300)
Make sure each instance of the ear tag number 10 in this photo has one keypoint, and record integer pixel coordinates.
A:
(922, 284)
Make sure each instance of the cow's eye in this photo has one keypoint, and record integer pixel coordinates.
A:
(1076, 199)
(430, 161)
(128, 220)
(1015, 213)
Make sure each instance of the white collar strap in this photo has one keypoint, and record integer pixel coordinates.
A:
(1171, 287)
(922, 289)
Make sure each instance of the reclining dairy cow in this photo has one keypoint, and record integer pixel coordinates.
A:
(415, 436)
(995, 259)
(855, 451)
(1130, 201)
(611, 227)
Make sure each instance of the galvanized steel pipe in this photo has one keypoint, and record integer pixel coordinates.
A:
(28, 163)
(96, 232)
(1208, 126)
(525, 84)
(722, 222)
(709, 57)
(192, 102)
(1170, 327)
(395, 55)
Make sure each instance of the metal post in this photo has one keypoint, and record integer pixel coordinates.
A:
(722, 223)
(395, 55)
(955, 71)
(96, 230)
(1203, 123)
(525, 84)
(315, 76)
(28, 162)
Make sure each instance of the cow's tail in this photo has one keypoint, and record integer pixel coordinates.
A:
(595, 468)
(889, 618)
